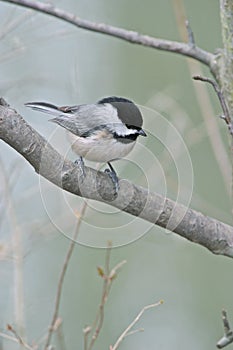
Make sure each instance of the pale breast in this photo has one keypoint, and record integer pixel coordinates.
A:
(100, 148)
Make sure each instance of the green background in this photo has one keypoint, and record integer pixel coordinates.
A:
(42, 58)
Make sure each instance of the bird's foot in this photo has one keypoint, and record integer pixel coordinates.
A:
(80, 163)
(113, 176)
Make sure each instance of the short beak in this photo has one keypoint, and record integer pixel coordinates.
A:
(142, 132)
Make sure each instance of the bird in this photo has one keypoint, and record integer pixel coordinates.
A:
(101, 132)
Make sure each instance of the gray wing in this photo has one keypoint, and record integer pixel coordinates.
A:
(84, 120)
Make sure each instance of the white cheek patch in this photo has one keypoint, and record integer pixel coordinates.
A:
(122, 130)
(114, 123)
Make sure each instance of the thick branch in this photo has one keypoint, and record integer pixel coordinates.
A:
(194, 226)
(131, 36)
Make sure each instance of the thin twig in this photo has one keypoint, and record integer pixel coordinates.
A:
(228, 333)
(17, 249)
(7, 28)
(221, 98)
(226, 324)
(127, 35)
(98, 323)
(18, 255)
(86, 332)
(108, 277)
(16, 337)
(128, 330)
(134, 331)
(203, 99)
(62, 276)
(191, 39)
(60, 335)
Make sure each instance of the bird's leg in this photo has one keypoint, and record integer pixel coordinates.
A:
(112, 174)
(80, 163)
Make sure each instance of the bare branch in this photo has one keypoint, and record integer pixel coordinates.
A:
(138, 201)
(191, 40)
(107, 281)
(128, 331)
(16, 337)
(108, 278)
(226, 70)
(53, 325)
(226, 113)
(128, 35)
(228, 333)
(203, 98)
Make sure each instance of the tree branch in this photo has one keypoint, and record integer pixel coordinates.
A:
(228, 333)
(194, 226)
(226, 113)
(226, 68)
(128, 331)
(62, 278)
(184, 49)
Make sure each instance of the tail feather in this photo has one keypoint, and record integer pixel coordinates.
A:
(44, 107)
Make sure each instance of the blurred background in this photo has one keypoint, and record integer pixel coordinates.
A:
(185, 157)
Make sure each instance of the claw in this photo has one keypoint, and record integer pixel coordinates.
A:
(80, 163)
(112, 174)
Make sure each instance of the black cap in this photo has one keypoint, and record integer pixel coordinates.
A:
(127, 111)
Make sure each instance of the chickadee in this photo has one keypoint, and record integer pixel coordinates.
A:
(100, 132)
